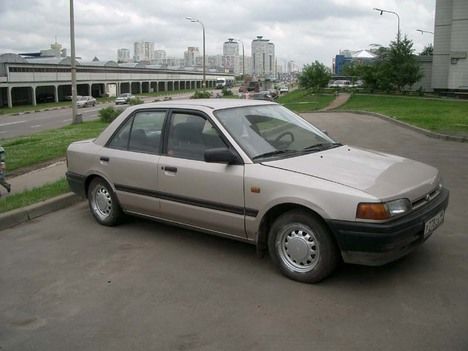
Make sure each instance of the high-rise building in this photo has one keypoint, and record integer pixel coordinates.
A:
(215, 62)
(190, 56)
(450, 57)
(123, 55)
(292, 67)
(174, 62)
(159, 56)
(143, 51)
(231, 56)
(263, 57)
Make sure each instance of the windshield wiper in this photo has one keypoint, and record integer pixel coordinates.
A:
(321, 146)
(273, 153)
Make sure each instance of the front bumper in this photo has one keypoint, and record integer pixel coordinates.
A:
(375, 244)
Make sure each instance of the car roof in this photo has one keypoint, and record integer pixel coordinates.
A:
(213, 104)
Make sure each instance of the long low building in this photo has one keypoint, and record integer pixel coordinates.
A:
(34, 80)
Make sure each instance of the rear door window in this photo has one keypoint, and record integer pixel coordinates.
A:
(140, 133)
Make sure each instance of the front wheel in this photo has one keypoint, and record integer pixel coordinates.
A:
(302, 248)
(103, 203)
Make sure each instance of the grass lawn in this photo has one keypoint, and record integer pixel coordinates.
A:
(302, 101)
(32, 196)
(442, 116)
(47, 145)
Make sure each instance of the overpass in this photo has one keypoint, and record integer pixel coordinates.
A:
(47, 79)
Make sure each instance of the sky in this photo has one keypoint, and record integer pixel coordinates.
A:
(302, 30)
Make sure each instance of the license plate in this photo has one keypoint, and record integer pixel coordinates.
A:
(433, 223)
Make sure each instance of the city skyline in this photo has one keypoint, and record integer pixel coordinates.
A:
(301, 32)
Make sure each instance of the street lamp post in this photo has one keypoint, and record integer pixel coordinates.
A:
(424, 31)
(243, 56)
(394, 13)
(191, 19)
(75, 117)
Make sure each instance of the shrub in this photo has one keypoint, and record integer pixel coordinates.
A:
(201, 94)
(227, 92)
(135, 101)
(108, 114)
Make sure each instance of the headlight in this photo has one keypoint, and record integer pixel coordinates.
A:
(381, 211)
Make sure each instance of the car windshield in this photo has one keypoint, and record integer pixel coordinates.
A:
(267, 131)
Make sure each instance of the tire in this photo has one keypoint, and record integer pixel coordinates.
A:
(103, 203)
(302, 247)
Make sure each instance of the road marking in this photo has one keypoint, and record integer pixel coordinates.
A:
(11, 123)
(36, 126)
(67, 120)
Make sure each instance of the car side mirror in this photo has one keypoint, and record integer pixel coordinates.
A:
(220, 155)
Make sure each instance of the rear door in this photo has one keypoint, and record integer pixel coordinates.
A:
(195, 192)
(130, 161)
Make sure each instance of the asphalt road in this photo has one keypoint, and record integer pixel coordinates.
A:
(29, 123)
(67, 283)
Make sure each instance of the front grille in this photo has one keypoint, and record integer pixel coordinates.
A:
(427, 198)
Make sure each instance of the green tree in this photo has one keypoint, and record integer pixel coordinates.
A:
(403, 66)
(314, 76)
(394, 68)
(427, 51)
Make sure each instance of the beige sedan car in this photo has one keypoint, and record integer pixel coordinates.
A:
(254, 171)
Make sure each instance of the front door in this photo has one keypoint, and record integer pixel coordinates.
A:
(195, 192)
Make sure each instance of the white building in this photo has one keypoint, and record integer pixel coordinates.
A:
(292, 67)
(55, 50)
(191, 55)
(143, 51)
(231, 61)
(450, 58)
(123, 55)
(159, 56)
(26, 80)
(214, 61)
(263, 58)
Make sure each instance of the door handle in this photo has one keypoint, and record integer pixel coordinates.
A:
(170, 169)
(104, 159)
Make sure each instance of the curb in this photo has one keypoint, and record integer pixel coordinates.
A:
(460, 139)
(25, 214)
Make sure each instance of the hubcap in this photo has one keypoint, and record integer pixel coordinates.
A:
(298, 248)
(102, 204)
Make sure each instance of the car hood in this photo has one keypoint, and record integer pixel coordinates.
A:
(379, 174)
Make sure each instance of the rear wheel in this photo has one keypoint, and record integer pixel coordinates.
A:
(302, 247)
(103, 202)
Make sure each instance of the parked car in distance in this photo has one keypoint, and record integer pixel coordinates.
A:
(41, 98)
(256, 172)
(340, 83)
(85, 101)
(283, 89)
(124, 98)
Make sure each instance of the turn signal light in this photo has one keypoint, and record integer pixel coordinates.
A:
(372, 211)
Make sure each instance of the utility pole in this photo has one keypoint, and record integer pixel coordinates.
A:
(194, 20)
(76, 119)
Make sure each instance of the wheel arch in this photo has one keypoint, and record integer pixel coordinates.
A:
(273, 213)
(89, 178)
